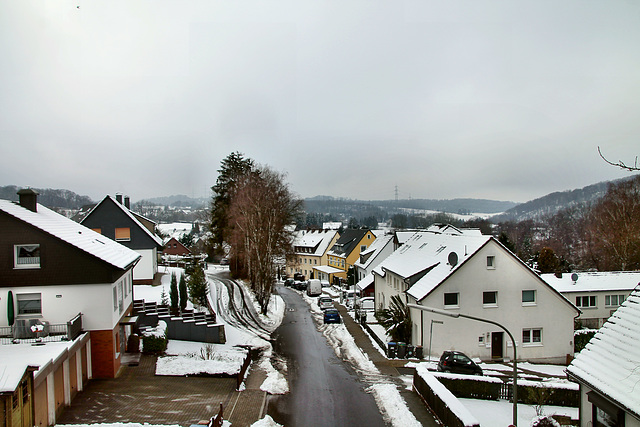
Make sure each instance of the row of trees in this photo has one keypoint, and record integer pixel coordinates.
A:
(192, 288)
(252, 211)
(604, 235)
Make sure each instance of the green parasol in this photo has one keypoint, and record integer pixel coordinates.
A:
(10, 313)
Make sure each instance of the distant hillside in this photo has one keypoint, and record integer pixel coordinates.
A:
(49, 197)
(552, 203)
(178, 200)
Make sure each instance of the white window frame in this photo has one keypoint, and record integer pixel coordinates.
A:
(25, 265)
(588, 299)
(29, 296)
(444, 300)
(535, 297)
(619, 299)
(528, 337)
(491, 262)
(490, 304)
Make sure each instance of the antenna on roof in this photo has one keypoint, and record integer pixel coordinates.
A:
(453, 259)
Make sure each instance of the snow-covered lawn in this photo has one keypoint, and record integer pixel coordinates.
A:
(500, 413)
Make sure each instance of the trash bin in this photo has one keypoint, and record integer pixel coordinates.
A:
(402, 350)
(363, 317)
(410, 353)
(419, 353)
(391, 350)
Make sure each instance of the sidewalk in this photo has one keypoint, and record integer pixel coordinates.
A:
(388, 367)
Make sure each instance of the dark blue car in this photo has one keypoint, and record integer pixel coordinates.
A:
(331, 315)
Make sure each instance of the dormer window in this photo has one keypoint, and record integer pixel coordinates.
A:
(26, 256)
(123, 234)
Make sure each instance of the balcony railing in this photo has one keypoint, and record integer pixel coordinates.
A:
(40, 331)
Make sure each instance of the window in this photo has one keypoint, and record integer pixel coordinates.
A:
(586, 301)
(491, 261)
(115, 298)
(97, 230)
(532, 336)
(29, 303)
(529, 297)
(613, 300)
(451, 299)
(26, 256)
(363, 248)
(123, 234)
(490, 298)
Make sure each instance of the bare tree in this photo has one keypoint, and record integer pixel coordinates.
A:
(262, 211)
(620, 163)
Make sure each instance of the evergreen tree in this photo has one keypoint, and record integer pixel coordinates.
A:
(198, 288)
(164, 298)
(233, 167)
(548, 261)
(183, 292)
(173, 292)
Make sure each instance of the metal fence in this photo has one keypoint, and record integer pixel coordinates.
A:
(39, 331)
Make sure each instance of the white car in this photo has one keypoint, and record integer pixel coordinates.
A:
(325, 302)
(367, 304)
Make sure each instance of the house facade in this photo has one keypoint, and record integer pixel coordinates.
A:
(113, 219)
(597, 294)
(346, 250)
(468, 273)
(607, 370)
(173, 247)
(369, 259)
(54, 269)
(310, 251)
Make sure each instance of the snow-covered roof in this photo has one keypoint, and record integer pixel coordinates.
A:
(371, 252)
(365, 281)
(73, 233)
(328, 270)
(594, 281)
(131, 215)
(430, 251)
(175, 229)
(318, 240)
(609, 363)
(403, 236)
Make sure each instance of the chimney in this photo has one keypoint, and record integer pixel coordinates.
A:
(119, 198)
(28, 199)
(127, 202)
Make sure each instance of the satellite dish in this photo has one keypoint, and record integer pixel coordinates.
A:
(453, 259)
(574, 277)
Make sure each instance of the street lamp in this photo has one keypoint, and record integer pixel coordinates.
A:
(479, 319)
(439, 322)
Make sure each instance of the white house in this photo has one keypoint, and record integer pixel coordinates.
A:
(608, 370)
(54, 268)
(596, 294)
(379, 250)
(468, 273)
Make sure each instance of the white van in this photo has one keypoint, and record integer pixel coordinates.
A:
(314, 287)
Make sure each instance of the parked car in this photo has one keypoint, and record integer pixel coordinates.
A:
(348, 298)
(314, 288)
(458, 363)
(289, 282)
(325, 302)
(224, 261)
(325, 283)
(300, 285)
(331, 315)
(366, 304)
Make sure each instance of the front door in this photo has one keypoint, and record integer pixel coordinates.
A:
(496, 345)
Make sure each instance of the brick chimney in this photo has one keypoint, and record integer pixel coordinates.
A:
(28, 199)
(127, 202)
(119, 198)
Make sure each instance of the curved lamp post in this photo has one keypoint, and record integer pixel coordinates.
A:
(479, 319)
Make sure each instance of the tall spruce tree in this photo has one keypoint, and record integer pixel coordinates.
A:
(232, 168)
(182, 287)
(173, 292)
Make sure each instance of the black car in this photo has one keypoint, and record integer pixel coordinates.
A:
(458, 363)
(288, 282)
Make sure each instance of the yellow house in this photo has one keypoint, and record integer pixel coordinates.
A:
(346, 250)
(310, 251)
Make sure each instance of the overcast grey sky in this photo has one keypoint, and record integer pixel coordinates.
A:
(504, 100)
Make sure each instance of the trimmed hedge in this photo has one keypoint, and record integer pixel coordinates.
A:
(154, 344)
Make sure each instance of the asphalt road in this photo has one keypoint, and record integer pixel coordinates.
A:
(324, 391)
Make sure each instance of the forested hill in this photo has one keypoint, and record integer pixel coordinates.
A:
(52, 198)
(554, 202)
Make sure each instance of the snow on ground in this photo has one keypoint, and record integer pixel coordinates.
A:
(500, 412)
(392, 406)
